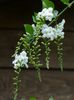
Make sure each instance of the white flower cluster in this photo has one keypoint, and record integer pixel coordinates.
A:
(53, 33)
(20, 60)
(47, 14)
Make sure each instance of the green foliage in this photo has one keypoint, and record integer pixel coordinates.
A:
(34, 17)
(47, 4)
(28, 28)
(32, 98)
(65, 1)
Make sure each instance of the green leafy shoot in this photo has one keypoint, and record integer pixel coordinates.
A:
(29, 32)
(47, 4)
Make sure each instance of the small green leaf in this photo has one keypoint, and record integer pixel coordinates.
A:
(51, 98)
(47, 4)
(28, 28)
(65, 1)
(32, 98)
(34, 17)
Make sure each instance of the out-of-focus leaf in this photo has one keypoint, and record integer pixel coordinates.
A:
(65, 1)
(32, 98)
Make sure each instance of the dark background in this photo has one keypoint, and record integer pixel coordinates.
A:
(13, 14)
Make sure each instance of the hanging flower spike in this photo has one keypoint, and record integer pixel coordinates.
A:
(59, 35)
(20, 61)
(48, 36)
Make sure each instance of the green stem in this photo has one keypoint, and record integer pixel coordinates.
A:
(16, 83)
(39, 74)
(69, 5)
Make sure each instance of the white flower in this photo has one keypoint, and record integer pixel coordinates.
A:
(55, 12)
(33, 26)
(53, 33)
(48, 32)
(50, 10)
(60, 26)
(23, 53)
(46, 14)
(20, 60)
(59, 29)
(58, 33)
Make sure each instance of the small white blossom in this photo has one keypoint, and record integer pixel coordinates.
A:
(55, 12)
(46, 14)
(34, 28)
(20, 60)
(60, 26)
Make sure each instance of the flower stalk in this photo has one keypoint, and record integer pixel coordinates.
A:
(16, 83)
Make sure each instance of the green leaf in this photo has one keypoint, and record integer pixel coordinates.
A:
(34, 17)
(47, 4)
(65, 1)
(32, 98)
(28, 28)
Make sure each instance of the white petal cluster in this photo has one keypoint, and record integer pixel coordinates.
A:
(46, 14)
(55, 13)
(59, 29)
(20, 60)
(53, 33)
(48, 32)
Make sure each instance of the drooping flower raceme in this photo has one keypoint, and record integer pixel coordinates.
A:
(21, 60)
(53, 32)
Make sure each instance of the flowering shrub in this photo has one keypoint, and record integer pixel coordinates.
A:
(48, 30)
